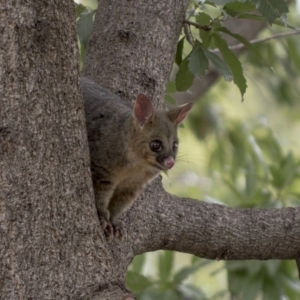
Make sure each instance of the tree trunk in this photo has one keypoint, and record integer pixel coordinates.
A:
(51, 244)
(132, 46)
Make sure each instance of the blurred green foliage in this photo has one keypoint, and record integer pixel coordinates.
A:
(168, 284)
(245, 158)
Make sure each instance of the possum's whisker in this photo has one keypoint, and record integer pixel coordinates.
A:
(190, 158)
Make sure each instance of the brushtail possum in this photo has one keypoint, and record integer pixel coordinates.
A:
(129, 146)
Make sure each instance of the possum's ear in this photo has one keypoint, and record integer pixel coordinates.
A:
(178, 114)
(142, 109)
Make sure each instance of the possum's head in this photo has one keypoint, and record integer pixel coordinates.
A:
(155, 136)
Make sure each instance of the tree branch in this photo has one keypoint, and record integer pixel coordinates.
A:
(262, 40)
(204, 27)
(212, 231)
(248, 29)
(238, 46)
(188, 34)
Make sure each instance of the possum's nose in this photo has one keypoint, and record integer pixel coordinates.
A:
(169, 162)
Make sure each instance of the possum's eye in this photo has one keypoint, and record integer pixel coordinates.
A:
(175, 146)
(156, 146)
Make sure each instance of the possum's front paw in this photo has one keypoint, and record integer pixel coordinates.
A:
(112, 230)
(106, 225)
(107, 228)
(109, 231)
(118, 228)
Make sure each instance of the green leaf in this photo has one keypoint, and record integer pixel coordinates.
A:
(294, 52)
(79, 9)
(222, 2)
(233, 62)
(260, 18)
(233, 188)
(277, 177)
(235, 8)
(138, 263)
(204, 19)
(257, 153)
(187, 271)
(293, 284)
(205, 38)
(84, 26)
(198, 63)
(250, 178)
(171, 87)
(152, 294)
(288, 167)
(184, 273)
(137, 282)
(271, 9)
(285, 172)
(178, 56)
(252, 288)
(272, 267)
(246, 43)
(211, 3)
(165, 263)
(191, 292)
(271, 290)
(170, 99)
(222, 68)
(184, 77)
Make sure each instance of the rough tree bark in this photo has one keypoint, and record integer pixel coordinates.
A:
(51, 243)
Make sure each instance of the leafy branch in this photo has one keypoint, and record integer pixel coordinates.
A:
(197, 25)
(208, 39)
(262, 40)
